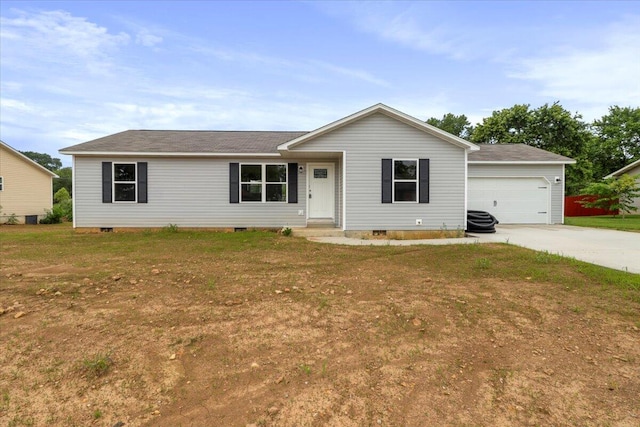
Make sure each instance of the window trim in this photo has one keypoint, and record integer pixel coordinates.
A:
(394, 180)
(263, 183)
(114, 182)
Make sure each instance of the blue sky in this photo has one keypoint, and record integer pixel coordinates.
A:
(74, 71)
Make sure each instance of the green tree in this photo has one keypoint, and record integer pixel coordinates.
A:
(550, 128)
(455, 125)
(43, 159)
(616, 140)
(613, 194)
(62, 195)
(64, 180)
(507, 126)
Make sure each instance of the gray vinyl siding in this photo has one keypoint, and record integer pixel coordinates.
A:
(188, 192)
(547, 171)
(369, 140)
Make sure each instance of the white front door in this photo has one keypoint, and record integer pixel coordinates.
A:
(321, 194)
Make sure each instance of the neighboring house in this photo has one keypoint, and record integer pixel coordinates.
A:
(632, 169)
(377, 169)
(25, 187)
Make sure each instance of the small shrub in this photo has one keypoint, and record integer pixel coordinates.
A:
(483, 263)
(286, 231)
(12, 220)
(60, 212)
(97, 414)
(98, 365)
(62, 195)
(171, 228)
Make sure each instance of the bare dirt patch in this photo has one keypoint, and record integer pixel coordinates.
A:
(205, 329)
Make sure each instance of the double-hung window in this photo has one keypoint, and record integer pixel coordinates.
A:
(124, 182)
(405, 180)
(1, 183)
(263, 182)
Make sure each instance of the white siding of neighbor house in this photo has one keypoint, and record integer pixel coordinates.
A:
(369, 140)
(635, 172)
(188, 192)
(27, 190)
(547, 171)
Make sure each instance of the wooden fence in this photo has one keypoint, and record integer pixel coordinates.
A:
(573, 208)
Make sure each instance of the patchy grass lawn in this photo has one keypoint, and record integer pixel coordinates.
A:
(179, 328)
(629, 223)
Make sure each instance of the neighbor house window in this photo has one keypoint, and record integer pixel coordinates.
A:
(405, 180)
(263, 182)
(124, 182)
(1, 183)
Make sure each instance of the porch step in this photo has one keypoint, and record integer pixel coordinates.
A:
(321, 223)
(317, 232)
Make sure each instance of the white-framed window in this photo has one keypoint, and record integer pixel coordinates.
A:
(125, 182)
(1, 183)
(263, 182)
(405, 180)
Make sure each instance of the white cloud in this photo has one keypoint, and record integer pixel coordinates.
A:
(56, 37)
(605, 73)
(145, 38)
(351, 73)
(13, 104)
(416, 25)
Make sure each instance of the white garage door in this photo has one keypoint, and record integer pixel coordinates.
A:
(511, 200)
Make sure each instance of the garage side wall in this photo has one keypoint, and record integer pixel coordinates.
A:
(549, 172)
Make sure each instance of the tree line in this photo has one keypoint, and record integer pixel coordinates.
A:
(599, 148)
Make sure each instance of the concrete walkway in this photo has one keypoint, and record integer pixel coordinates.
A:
(610, 248)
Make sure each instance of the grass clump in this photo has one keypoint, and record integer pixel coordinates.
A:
(97, 365)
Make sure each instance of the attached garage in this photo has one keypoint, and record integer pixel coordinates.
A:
(517, 183)
(511, 200)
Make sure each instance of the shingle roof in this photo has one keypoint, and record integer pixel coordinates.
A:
(515, 153)
(186, 141)
(244, 142)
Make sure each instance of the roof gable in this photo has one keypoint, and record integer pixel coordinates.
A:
(625, 169)
(388, 111)
(27, 160)
(515, 153)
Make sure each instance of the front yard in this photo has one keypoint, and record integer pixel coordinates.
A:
(179, 328)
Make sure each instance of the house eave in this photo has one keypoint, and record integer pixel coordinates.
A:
(28, 160)
(521, 162)
(623, 170)
(157, 154)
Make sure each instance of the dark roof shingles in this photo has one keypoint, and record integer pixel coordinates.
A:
(243, 142)
(514, 153)
(170, 141)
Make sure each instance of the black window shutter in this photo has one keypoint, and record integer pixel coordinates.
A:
(424, 181)
(234, 182)
(142, 182)
(387, 181)
(107, 172)
(292, 183)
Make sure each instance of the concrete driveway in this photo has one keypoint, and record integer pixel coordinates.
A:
(609, 248)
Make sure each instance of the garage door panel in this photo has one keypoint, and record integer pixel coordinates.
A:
(511, 200)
